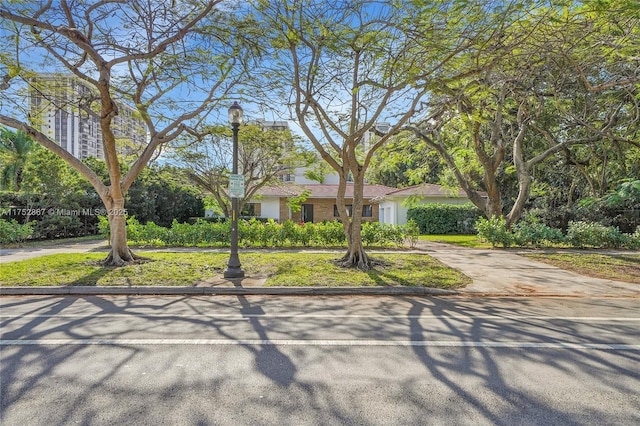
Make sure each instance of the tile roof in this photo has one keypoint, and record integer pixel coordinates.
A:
(322, 190)
(428, 189)
(377, 192)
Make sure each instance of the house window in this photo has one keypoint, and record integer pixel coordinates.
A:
(249, 209)
(335, 210)
(367, 210)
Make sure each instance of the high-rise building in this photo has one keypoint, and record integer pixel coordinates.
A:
(370, 137)
(58, 108)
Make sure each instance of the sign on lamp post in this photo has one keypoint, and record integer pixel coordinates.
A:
(236, 186)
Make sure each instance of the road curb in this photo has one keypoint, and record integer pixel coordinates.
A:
(276, 291)
(285, 291)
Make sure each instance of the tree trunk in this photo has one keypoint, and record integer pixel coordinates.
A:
(524, 186)
(493, 206)
(19, 179)
(355, 256)
(524, 176)
(120, 253)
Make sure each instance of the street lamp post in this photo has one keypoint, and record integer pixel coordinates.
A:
(234, 268)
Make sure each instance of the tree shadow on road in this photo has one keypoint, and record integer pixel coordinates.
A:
(513, 403)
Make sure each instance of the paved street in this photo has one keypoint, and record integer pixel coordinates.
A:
(232, 360)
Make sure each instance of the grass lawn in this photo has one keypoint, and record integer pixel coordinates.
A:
(461, 240)
(54, 242)
(189, 269)
(619, 267)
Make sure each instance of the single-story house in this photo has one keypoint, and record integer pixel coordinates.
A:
(381, 203)
(320, 205)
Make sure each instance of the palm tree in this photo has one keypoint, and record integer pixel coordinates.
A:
(14, 151)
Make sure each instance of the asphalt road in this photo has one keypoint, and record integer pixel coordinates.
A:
(234, 360)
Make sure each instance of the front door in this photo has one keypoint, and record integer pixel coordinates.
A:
(306, 213)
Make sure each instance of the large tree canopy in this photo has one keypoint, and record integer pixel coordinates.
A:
(343, 68)
(172, 62)
(263, 154)
(567, 85)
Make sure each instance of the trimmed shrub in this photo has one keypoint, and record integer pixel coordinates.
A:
(376, 233)
(445, 218)
(308, 233)
(331, 233)
(255, 233)
(495, 231)
(534, 233)
(579, 234)
(591, 234)
(411, 232)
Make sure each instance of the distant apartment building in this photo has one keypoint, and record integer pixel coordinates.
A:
(57, 107)
(370, 137)
(273, 125)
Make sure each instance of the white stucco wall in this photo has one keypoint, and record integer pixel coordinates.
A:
(329, 179)
(387, 212)
(269, 207)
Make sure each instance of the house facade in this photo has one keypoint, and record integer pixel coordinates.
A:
(381, 203)
(320, 204)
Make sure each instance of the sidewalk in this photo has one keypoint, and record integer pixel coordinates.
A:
(504, 272)
(495, 273)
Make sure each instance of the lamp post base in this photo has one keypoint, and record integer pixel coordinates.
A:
(233, 273)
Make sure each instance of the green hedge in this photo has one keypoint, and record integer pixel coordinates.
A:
(69, 216)
(257, 233)
(532, 233)
(445, 218)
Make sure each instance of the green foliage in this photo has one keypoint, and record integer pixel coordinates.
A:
(68, 215)
(11, 232)
(373, 233)
(579, 234)
(103, 227)
(257, 233)
(412, 232)
(405, 161)
(162, 194)
(494, 230)
(295, 202)
(15, 148)
(331, 233)
(591, 234)
(619, 208)
(52, 226)
(533, 232)
(262, 153)
(445, 218)
(633, 241)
